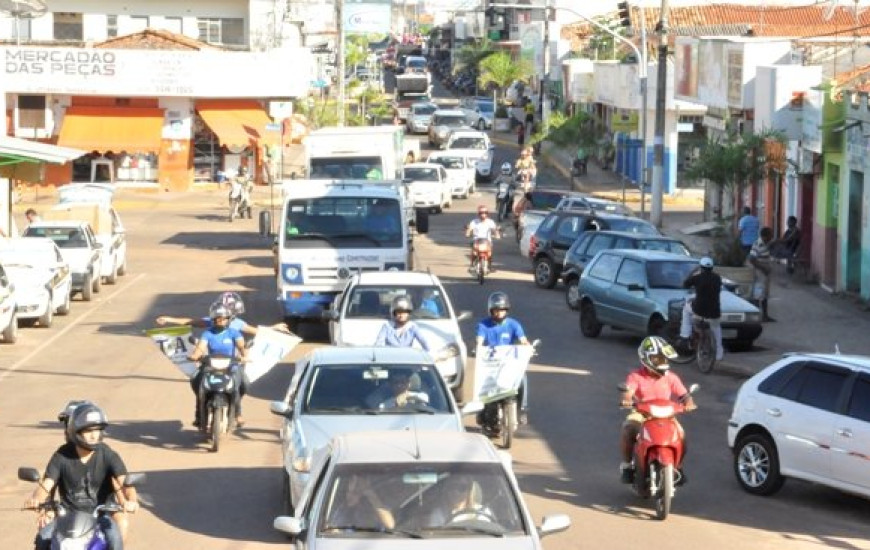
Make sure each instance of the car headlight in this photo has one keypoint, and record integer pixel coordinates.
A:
(292, 273)
(302, 463)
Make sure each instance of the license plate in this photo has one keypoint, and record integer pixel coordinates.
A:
(729, 333)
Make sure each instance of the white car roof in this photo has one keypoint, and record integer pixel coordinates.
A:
(59, 223)
(403, 446)
(468, 133)
(423, 165)
(398, 278)
(335, 355)
(28, 244)
(855, 361)
(449, 112)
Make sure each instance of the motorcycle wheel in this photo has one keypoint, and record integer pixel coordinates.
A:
(508, 422)
(706, 356)
(481, 270)
(665, 492)
(218, 420)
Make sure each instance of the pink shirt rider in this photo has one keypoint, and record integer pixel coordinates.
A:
(646, 386)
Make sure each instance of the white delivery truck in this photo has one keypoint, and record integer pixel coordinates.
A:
(330, 230)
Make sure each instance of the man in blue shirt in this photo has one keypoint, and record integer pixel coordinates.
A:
(747, 230)
(401, 332)
(500, 330)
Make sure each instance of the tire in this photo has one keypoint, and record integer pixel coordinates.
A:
(545, 273)
(481, 270)
(589, 325)
(217, 427)
(421, 223)
(47, 318)
(65, 307)
(481, 125)
(98, 282)
(706, 356)
(756, 465)
(292, 324)
(508, 422)
(265, 223)
(122, 269)
(88, 289)
(10, 333)
(572, 293)
(666, 491)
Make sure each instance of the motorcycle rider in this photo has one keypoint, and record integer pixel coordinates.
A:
(401, 331)
(481, 227)
(229, 299)
(526, 168)
(708, 286)
(240, 189)
(506, 178)
(220, 339)
(500, 330)
(653, 380)
(86, 473)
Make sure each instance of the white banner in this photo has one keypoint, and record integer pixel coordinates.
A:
(499, 370)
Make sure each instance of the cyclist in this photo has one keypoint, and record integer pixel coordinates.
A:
(708, 286)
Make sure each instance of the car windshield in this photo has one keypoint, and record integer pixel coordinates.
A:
(343, 222)
(468, 143)
(359, 168)
(633, 225)
(450, 163)
(367, 302)
(424, 500)
(421, 174)
(485, 106)
(675, 247)
(417, 63)
(668, 274)
(376, 388)
(450, 120)
(424, 109)
(63, 237)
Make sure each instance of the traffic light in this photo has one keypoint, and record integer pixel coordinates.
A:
(623, 14)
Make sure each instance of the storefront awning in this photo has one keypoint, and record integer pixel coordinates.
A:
(130, 129)
(23, 159)
(238, 123)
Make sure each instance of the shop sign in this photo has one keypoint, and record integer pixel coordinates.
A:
(155, 73)
(367, 16)
(714, 123)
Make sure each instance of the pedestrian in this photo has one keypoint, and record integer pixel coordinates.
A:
(530, 111)
(747, 230)
(521, 134)
(786, 247)
(760, 258)
(580, 161)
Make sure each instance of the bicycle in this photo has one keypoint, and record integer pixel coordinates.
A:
(701, 345)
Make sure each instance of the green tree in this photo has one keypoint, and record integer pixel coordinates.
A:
(470, 55)
(499, 70)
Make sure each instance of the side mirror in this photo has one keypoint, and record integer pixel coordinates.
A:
(289, 525)
(28, 474)
(463, 315)
(554, 524)
(280, 408)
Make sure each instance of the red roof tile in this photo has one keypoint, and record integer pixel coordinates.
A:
(155, 39)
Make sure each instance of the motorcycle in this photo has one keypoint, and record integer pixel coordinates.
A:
(481, 256)
(658, 452)
(240, 201)
(499, 372)
(218, 397)
(76, 529)
(504, 198)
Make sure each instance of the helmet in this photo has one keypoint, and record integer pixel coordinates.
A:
(706, 262)
(401, 303)
(233, 301)
(217, 309)
(506, 169)
(654, 353)
(67, 412)
(85, 416)
(498, 300)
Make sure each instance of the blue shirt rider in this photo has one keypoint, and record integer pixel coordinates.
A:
(401, 331)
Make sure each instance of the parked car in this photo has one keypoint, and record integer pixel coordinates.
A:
(555, 235)
(8, 307)
(591, 242)
(443, 122)
(806, 416)
(362, 308)
(634, 290)
(424, 490)
(419, 117)
(460, 172)
(43, 284)
(543, 200)
(479, 111)
(475, 145)
(572, 202)
(429, 185)
(345, 389)
(80, 249)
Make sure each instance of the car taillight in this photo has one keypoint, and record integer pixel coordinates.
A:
(533, 244)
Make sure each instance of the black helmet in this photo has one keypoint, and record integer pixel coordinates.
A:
(217, 309)
(233, 301)
(401, 303)
(66, 413)
(85, 416)
(498, 300)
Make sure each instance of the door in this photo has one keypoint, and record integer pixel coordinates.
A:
(567, 231)
(628, 298)
(853, 231)
(851, 456)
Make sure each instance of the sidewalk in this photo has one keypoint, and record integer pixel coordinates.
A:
(809, 319)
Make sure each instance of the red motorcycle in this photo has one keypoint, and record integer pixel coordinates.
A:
(658, 452)
(480, 261)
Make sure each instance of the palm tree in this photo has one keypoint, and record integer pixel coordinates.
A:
(499, 70)
(471, 55)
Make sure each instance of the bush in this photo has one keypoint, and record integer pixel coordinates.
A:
(726, 247)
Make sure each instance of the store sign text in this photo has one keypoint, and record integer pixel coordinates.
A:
(59, 62)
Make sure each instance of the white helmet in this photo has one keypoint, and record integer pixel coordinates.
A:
(506, 169)
(706, 262)
(654, 353)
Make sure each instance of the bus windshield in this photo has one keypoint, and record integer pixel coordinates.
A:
(338, 168)
(343, 222)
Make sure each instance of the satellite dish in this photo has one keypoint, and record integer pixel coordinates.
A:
(22, 9)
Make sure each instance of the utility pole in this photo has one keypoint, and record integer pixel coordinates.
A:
(643, 114)
(658, 173)
(545, 79)
(339, 48)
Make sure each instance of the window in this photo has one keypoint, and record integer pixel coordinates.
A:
(31, 111)
(859, 403)
(605, 268)
(816, 385)
(599, 242)
(111, 26)
(222, 31)
(773, 383)
(139, 23)
(68, 26)
(631, 273)
(569, 228)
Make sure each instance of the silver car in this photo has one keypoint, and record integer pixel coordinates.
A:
(419, 116)
(337, 390)
(444, 121)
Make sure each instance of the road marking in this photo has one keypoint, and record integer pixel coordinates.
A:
(18, 364)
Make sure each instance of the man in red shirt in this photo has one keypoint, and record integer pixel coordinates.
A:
(653, 380)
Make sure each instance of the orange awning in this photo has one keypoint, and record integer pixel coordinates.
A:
(237, 123)
(130, 129)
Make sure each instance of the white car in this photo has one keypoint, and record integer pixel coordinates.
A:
(337, 390)
(430, 187)
(460, 172)
(805, 416)
(80, 249)
(362, 308)
(8, 314)
(43, 283)
(477, 146)
(412, 489)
